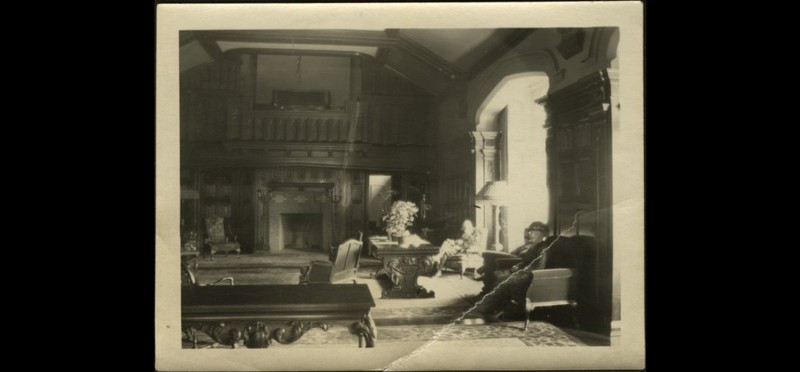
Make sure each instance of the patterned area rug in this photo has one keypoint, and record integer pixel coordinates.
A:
(416, 315)
(538, 334)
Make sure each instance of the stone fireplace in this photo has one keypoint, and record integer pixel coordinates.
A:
(299, 218)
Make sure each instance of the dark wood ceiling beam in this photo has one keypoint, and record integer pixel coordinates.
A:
(185, 37)
(389, 39)
(209, 44)
(296, 52)
(328, 37)
(508, 43)
(411, 68)
(390, 42)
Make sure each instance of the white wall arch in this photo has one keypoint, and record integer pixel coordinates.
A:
(523, 141)
(487, 84)
(530, 71)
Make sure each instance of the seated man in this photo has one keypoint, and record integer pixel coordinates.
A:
(469, 241)
(494, 270)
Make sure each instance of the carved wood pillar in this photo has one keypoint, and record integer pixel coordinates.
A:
(485, 151)
(486, 162)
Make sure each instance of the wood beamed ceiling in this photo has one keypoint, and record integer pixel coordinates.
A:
(398, 52)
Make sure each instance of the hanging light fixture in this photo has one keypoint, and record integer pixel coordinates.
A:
(300, 70)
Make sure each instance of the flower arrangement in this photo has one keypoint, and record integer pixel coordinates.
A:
(189, 240)
(400, 216)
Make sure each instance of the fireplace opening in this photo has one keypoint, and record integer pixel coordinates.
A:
(301, 231)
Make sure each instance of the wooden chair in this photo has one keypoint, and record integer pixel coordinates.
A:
(472, 259)
(220, 238)
(343, 267)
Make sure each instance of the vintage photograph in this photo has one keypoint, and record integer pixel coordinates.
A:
(396, 197)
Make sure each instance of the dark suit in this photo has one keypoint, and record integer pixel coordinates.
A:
(524, 254)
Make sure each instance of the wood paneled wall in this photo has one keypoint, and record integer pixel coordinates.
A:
(453, 181)
(217, 104)
(219, 75)
(209, 98)
(579, 162)
(233, 193)
(238, 147)
(226, 193)
(380, 81)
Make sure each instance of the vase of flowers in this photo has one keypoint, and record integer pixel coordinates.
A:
(399, 218)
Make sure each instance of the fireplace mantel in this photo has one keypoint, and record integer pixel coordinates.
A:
(298, 198)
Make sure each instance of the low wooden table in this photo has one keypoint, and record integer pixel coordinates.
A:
(231, 313)
(403, 266)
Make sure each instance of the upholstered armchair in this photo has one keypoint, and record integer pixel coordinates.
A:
(552, 287)
(343, 267)
(219, 237)
(559, 282)
(472, 259)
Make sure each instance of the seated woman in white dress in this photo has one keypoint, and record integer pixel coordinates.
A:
(469, 241)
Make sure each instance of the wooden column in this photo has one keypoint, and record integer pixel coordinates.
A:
(485, 151)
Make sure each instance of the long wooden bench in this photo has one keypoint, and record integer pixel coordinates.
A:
(259, 314)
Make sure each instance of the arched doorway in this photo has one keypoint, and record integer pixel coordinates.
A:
(510, 114)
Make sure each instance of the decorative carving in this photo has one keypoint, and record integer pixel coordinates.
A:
(484, 139)
(565, 139)
(583, 138)
(404, 271)
(213, 330)
(235, 335)
(296, 330)
(191, 334)
(217, 333)
(256, 336)
(392, 268)
(366, 330)
(425, 264)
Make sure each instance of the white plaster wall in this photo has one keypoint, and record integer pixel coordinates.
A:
(524, 140)
(527, 165)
